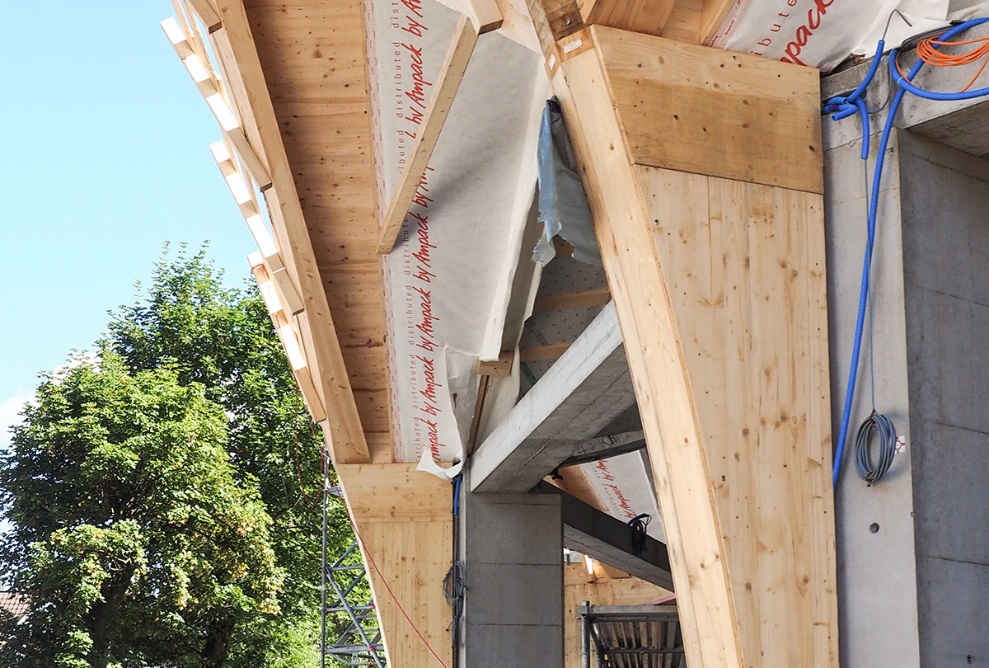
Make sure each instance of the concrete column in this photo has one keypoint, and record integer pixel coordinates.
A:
(512, 548)
(877, 596)
(913, 550)
(945, 200)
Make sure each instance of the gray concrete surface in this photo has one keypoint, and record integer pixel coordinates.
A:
(513, 553)
(946, 270)
(876, 570)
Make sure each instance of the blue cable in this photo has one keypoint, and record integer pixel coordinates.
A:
(456, 495)
(845, 107)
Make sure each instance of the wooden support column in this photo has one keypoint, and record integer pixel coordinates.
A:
(404, 520)
(703, 170)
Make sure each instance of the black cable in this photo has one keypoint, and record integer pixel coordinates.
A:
(453, 581)
(887, 447)
(638, 525)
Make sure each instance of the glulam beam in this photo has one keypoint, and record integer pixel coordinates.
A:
(716, 267)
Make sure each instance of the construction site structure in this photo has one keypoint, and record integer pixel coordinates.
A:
(661, 394)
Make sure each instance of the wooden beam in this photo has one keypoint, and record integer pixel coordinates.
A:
(602, 447)
(720, 291)
(501, 367)
(207, 13)
(602, 537)
(643, 16)
(546, 353)
(581, 394)
(565, 300)
(343, 432)
(553, 20)
(712, 16)
(485, 15)
(440, 102)
(671, 97)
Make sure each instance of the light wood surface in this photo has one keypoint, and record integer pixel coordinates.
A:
(404, 518)
(672, 99)
(720, 289)
(313, 59)
(565, 300)
(344, 434)
(644, 16)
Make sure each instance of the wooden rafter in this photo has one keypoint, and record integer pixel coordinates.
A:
(445, 90)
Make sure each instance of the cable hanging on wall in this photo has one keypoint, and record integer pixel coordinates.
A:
(848, 105)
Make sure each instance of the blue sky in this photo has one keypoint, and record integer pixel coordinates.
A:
(104, 141)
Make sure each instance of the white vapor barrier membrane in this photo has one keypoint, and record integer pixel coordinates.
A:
(622, 485)
(823, 33)
(444, 279)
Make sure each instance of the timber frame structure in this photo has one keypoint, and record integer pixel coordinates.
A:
(705, 176)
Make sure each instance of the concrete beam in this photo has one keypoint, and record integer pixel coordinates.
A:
(602, 537)
(603, 447)
(587, 388)
(959, 123)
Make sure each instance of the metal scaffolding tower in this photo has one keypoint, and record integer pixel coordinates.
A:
(359, 640)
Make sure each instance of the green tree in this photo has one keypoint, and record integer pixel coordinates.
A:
(190, 333)
(128, 521)
(222, 338)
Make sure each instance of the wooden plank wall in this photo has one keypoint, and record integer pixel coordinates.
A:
(720, 288)
(404, 519)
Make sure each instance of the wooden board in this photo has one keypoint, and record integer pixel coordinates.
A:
(754, 338)
(672, 99)
(689, 21)
(730, 371)
(313, 58)
(404, 518)
(643, 16)
(345, 435)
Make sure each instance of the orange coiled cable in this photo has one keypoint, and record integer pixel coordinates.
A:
(929, 50)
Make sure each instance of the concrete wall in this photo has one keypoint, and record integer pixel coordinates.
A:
(913, 550)
(945, 203)
(875, 529)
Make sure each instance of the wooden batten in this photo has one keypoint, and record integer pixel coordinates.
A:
(440, 102)
(720, 288)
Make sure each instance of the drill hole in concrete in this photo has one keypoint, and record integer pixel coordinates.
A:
(874, 527)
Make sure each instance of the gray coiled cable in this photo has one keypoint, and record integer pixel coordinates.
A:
(887, 447)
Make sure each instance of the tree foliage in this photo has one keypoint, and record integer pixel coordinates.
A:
(128, 512)
(172, 486)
